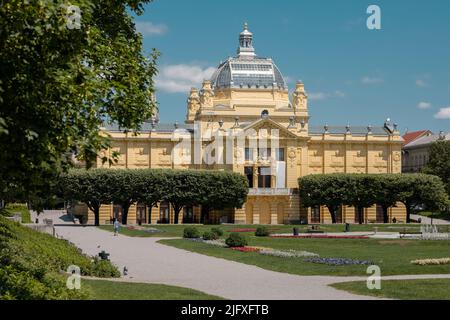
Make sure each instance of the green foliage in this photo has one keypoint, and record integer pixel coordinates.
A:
(262, 232)
(217, 231)
(365, 190)
(439, 162)
(15, 208)
(191, 233)
(180, 188)
(236, 240)
(209, 235)
(31, 263)
(58, 84)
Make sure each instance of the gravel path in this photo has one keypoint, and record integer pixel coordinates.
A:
(150, 262)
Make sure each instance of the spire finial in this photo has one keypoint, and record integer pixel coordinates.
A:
(246, 43)
(245, 26)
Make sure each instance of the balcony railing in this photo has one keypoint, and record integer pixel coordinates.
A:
(270, 191)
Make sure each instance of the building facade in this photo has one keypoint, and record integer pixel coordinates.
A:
(417, 152)
(248, 97)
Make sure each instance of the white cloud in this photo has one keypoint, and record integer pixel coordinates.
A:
(151, 29)
(421, 83)
(180, 78)
(444, 113)
(424, 105)
(371, 80)
(316, 96)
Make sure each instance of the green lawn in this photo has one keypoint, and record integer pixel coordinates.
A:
(393, 256)
(112, 290)
(430, 289)
(177, 230)
(436, 215)
(14, 208)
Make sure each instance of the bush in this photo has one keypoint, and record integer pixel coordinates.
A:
(31, 264)
(191, 232)
(236, 240)
(209, 235)
(262, 232)
(217, 231)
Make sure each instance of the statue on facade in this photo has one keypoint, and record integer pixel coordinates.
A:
(206, 95)
(299, 97)
(193, 102)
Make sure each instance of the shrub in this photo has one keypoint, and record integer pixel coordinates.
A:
(209, 235)
(217, 231)
(262, 232)
(191, 232)
(236, 240)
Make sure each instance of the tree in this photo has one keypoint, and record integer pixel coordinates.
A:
(421, 190)
(439, 162)
(323, 189)
(92, 187)
(387, 188)
(58, 83)
(222, 190)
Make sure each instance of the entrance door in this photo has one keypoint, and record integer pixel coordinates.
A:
(380, 216)
(141, 213)
(117, 212)
(164, 212)
(264, 213)
(315, 214)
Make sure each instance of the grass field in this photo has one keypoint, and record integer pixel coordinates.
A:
(177, 230)
(393, 256)
(429, 289)
(113, 290)
(13, 208)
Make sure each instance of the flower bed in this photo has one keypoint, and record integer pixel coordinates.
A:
(246, 249)
(287, 253)
(338, 261)
(426, 262)
(309, 236)
(217, 243)
(243, 230)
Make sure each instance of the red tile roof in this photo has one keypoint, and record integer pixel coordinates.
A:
(411, 136)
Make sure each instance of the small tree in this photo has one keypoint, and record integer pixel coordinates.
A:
(439, 162)
(360, 193)
(387, 188)
(91, 187)
(421, 189)
(323, 189)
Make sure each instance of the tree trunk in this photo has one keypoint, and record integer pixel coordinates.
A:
(408, 213)
(360, 214)
(125, 209)
(385, 214)
(332, 210)
(96, 210)
(176, 212)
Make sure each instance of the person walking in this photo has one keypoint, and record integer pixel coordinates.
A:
(116, 227)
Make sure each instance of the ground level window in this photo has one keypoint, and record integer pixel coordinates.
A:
(188, 215)
(141, 213)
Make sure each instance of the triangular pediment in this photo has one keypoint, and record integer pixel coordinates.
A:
(270, 124)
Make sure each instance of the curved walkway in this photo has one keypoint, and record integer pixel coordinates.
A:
(151, 262)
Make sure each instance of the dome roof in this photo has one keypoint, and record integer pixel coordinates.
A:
(246, 70)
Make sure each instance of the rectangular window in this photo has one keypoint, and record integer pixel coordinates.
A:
(248, 154)
(264, 177)
(280, 154)
(249, 174)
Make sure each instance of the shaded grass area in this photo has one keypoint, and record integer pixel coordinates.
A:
(436, 215)
(177, 230)
(14, 208)
(424, 289)
(113, 290)
(393, 256)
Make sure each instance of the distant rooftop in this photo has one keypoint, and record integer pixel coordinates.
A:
(426, 140)
(411, 136)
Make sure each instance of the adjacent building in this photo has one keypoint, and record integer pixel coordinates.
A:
(247, 102)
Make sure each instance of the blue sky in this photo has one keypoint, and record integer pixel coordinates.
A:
(352, 74)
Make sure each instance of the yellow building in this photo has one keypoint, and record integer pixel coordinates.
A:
(248, 96)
